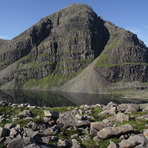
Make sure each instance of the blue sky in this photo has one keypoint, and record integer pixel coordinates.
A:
(18, 15)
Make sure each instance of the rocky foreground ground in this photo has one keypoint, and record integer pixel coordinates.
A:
(110, 126)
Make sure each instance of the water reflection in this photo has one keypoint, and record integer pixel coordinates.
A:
(52, 99)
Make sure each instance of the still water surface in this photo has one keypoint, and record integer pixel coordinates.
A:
(54, 99)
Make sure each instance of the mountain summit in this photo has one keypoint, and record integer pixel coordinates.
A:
(74, 50)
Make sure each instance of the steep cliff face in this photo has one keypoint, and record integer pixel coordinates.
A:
(57, 47)
(124, 58)
(60, 46)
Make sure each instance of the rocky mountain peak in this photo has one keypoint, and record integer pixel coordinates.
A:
(60, 46)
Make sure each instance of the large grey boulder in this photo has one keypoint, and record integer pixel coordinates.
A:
(68, 119)
(145, 133)
(20, 143)
(127, 144)
(109, 106)
(128, 107)
(120, 117)
(112, 145)
(114, 131)
(143, 117)
(113, 111)
(52, 114)
(52, 131)
(134, 141)
(96, 126)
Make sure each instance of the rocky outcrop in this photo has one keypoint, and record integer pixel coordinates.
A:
(54, 52)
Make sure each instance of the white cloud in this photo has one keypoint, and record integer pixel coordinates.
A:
(4, 37)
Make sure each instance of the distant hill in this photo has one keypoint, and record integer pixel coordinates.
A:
(75, 50)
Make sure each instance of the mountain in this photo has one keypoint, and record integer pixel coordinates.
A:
(74, 50)
(3, 42)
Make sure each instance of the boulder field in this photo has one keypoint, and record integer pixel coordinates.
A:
(105, 126)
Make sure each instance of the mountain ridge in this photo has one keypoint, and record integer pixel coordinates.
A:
(54, 53)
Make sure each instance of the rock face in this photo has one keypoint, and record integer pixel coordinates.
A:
(56, 49)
